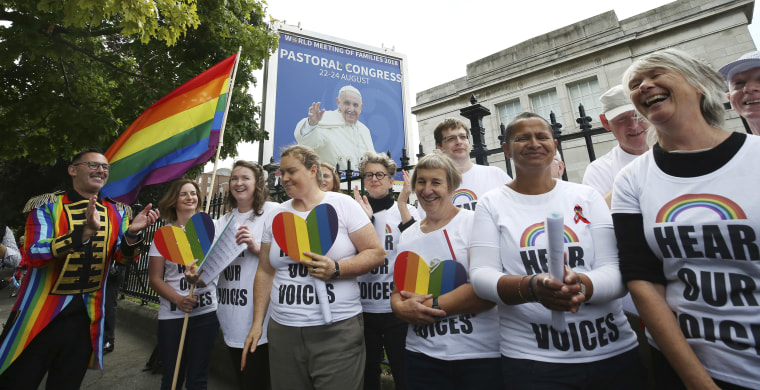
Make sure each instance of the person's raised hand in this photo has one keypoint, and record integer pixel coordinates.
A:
(315, 114)
(363, 201)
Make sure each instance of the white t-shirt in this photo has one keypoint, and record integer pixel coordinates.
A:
(234, 286)
(600, 174)
(174, 276)
(293, 301)
(456, 337)
(475, 183)
(705, 230)
(509, 238)
(376, 286)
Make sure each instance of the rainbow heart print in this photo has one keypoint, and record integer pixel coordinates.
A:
(413, 274)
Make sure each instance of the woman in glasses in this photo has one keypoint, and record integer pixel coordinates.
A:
(381, 328)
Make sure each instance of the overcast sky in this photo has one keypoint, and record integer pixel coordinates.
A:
(439, 38)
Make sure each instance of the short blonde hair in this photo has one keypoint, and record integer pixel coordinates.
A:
(307, 156)
(437, 160)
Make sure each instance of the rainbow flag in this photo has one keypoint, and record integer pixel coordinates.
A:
(173, 135)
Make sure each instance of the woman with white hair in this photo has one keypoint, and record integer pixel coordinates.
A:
(686, 216)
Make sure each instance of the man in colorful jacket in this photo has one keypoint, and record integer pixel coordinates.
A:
(56, 326)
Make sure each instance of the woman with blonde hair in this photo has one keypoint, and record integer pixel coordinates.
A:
(308, 347)
(450, 341)
(686, 218)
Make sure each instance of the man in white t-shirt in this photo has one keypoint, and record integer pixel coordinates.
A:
(630, 130)
(337, 136)
(452, 138)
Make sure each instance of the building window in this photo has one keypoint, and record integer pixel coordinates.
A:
(508, 111)
(545, 102)
(208, 189)
(208, 179)
(586, 92)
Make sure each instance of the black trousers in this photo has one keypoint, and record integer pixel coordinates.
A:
(62, 350)
(255, 376)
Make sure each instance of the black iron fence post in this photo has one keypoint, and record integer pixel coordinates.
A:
(475, 113)
(584, 122)
(502, 140)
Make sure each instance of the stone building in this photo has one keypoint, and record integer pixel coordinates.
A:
(577, 63)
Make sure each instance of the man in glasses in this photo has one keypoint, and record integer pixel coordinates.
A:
(56, 325)
(452, 137)
(337, 136)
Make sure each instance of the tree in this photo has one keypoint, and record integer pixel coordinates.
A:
(76, 73)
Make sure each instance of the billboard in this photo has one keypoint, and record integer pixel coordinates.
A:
(341, 98)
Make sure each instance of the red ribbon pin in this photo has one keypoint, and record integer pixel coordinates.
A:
(579, 215)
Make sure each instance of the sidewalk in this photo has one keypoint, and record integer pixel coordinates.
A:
(136, 329)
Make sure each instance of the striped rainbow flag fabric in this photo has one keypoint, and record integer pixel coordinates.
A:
(173, 135)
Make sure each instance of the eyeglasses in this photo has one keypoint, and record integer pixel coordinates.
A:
(378, 175)
(452, 138)
(93, 165)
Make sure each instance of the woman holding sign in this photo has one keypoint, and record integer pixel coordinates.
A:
(168, 280)
(686, 217)
(450, 342)
(313, 248)
(382, 330)
(247, 199)
(592, 347)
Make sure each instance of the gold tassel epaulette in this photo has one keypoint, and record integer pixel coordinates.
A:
(121, 207)
(41, 200)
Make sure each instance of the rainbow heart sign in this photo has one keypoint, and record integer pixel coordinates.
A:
(316, 233)
(413, 274)
(182, 246)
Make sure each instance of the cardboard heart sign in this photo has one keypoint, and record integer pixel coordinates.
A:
(411, 273)
(183, 246)
(315, 234)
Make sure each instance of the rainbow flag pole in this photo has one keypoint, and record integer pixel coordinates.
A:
(224, 123)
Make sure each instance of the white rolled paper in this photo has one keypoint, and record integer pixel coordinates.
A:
(324, 303)
(555, 226)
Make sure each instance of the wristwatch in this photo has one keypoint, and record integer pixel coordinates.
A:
(336, 273)
(435, 303)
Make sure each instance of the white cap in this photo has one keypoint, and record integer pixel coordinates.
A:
(746, 62)
(615, 102)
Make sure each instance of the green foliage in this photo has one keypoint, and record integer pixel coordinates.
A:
(76, 73)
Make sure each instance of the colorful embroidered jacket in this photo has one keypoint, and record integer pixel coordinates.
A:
(60, 267)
